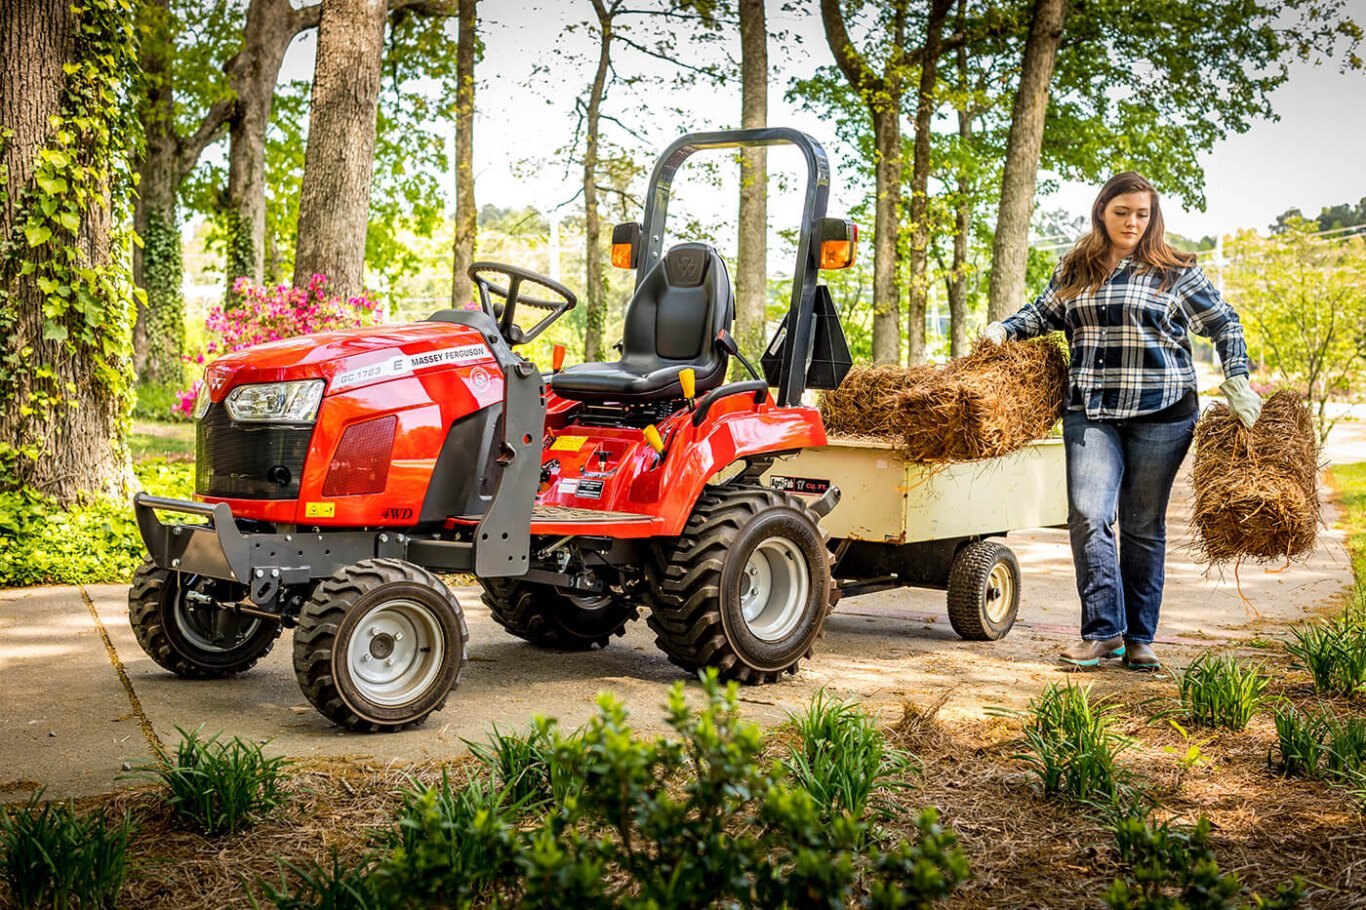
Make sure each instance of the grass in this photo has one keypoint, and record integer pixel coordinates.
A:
(53, 857)
(218, 787)
(1321, 745)
(1350, 481)
(522, 764)
(1222, 691)
(337, 886)
(842, 759)
(157, 439)
(1071, 746)
(1333, 650)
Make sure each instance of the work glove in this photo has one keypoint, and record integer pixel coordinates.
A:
(995, 333)
(1244, 402)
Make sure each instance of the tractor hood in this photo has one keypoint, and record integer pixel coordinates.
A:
(350, 358)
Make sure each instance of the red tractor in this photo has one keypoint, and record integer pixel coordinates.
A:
(337, 472)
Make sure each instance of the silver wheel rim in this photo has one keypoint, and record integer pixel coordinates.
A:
(189, 620)
(774, 587)
(1000, 593)
(396, 652)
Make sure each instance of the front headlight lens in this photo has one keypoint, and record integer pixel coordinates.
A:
(201, 400)
(276, 402)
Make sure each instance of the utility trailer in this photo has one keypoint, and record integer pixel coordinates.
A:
(905, 523)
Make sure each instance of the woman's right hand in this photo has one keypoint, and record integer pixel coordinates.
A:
(995, 333)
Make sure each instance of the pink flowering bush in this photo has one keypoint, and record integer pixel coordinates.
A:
(269, 314)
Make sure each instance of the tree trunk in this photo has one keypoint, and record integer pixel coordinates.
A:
(886, 225)
(919, 280)
(60, 409)
(334, 200)
(751, 276)
(159, 332)
(1010, 252)
(252, 73)
(595, 312)
(958, 274)
(466, 215)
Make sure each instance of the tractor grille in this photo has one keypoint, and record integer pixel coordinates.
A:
(248, 460)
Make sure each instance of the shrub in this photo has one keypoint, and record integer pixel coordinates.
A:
(268, 314)
(843, 759)
(53, 857)
(217, 787)
(1321, 745)
(1171, 868)
(1222, 691)
(1070, 745)
(1334, 650)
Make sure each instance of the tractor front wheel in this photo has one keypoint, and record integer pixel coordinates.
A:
(380, 645)
(745, 588)
(177, 620)
(554, 618)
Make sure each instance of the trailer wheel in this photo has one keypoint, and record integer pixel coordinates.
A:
(984, 591)
(195, 638)
(380, 645)
(745, 588)
(553, 618)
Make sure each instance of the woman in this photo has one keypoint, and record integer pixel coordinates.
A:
(1127, 302)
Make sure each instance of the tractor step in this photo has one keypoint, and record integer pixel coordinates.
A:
(569, 520)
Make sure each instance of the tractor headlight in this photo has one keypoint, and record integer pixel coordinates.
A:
(201, 400)
(276, 402)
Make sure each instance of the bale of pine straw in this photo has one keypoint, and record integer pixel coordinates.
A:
(992, 402)
(1256, 490)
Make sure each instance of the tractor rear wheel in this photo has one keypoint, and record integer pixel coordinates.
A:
(745, 588)
(380, 645)
(192, 636)
(553, 618)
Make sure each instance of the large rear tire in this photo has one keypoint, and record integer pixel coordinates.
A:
(193, 637)
(745, 588)
(380, 645)
(547, 616)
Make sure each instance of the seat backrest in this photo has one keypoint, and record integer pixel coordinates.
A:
(673, 318)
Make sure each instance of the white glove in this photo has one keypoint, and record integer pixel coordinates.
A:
(1244, 402)
(995, 333)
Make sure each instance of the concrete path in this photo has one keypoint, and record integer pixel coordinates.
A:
(80, 700)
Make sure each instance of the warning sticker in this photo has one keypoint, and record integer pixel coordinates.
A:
(800, 484)
(568, 443)
(589, 489)
(320, 510)
(396, 363)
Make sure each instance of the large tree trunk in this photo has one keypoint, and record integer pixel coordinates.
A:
(466, 215)
(886, 227)
(159, 332)
(252, 73)
(751, 276)
(1010, 252)
(595, 311)
(334, 200)
(919, 281)
(962, 229)
(60, 407)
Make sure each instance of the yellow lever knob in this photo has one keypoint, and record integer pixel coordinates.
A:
(653, 438)
(687, 378)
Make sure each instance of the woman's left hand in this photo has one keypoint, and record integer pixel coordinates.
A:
(1244, 402)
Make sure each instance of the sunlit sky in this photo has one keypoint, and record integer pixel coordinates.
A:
(1311, 157)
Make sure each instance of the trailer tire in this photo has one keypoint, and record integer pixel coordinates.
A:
(350, 656)
(173, 632)
(548, 617)
(745, 588)
(984, 591)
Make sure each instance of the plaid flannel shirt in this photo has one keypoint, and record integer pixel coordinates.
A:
(1131, 353)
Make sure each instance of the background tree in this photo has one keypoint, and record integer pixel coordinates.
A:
(1303, 300)
(66, 303)
(751, 274)
(465, 210)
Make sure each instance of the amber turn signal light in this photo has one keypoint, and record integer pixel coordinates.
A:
(626, 245)
(839, 243)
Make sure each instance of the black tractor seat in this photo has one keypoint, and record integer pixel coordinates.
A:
(671, 323)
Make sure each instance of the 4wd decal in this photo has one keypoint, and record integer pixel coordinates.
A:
(809, 485)
(396, 363)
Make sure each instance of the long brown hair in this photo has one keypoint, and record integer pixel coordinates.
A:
(1085, 267)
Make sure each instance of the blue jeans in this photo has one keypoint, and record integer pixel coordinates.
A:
(1121, 470)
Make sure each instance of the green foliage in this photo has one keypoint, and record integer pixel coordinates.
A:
(1222, 691)
(1321, 745)
(158, 401)
(1333, 650)
(95, 542)
(843, 760)
(162, 276)
(1071, 746)
(52, 857)
(524, 766)
(1303, 300)
(217, 787)
(1173, 868)
(338, 887)
(1350, 481)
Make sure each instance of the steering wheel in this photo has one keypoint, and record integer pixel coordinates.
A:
(512, 296)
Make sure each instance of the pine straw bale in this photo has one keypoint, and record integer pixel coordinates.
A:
(989, 403)
(1256, 490)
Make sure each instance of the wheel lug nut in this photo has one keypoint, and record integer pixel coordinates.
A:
(389, 662)
(364, 658)
(398, 636)
(374, 630)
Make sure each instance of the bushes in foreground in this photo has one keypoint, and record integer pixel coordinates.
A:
(53, 857)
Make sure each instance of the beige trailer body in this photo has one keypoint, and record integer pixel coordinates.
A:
(886, 499)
